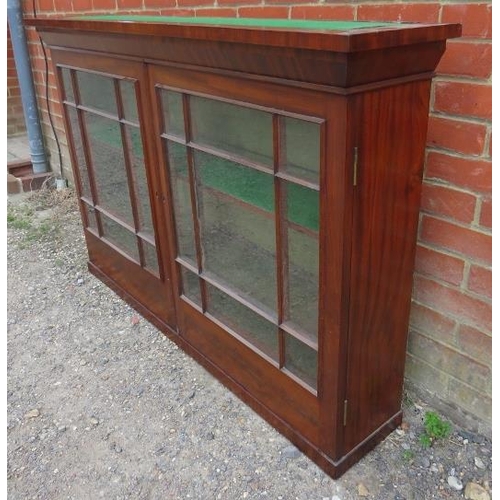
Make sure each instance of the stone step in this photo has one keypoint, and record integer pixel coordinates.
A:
(20, 177)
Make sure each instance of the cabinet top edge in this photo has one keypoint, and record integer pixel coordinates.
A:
(337, 36)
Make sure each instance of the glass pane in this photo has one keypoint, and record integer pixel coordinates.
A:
(129, 100)
(91, 217)
(120, 236)
(237, 228)
(303, 281)
(302, 206)
(97, 91)
(300, 148)
(109, 166)
(191, 285)
(173, 114)
(178, 165)
(150, 257)
(301, 360)
(140, 180)
(80, 157)
(254, 328)
(303, 256)
(68, 87)
(245, 132)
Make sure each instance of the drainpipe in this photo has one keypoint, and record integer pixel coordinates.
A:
(28, 97)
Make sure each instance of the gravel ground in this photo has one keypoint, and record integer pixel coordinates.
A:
(102, 405)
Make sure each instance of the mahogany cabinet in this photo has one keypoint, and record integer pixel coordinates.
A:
(252, 188)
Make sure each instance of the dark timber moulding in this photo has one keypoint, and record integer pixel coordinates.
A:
(252, 188)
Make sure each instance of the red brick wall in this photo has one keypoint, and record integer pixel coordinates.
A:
(15, 116)
(449, 352)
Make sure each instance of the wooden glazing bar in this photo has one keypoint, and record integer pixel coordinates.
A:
(173, 138)
(101, 210)
(209, 278)
(194, 200)
(99, 112)
(147, 237)
(219, 153)
(281, 237)
(297, 180)
(128, 169)
(300, 334)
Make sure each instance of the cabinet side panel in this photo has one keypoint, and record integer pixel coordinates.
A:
(391, 129)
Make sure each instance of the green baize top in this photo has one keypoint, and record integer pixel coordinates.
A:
(296, 24)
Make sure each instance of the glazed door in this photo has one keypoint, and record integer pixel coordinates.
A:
(243, 163)
(105, 111)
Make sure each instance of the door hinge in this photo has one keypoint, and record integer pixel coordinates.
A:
(345, 412)
(355, 167)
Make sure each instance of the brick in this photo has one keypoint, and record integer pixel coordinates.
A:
(456, 238)
(450, 361)
(39, 78)
(476, 402)
(104, 5)
(31, 34)
(236, 2)
(424, 375)
(475, 344)
(453, 302)
(14, 92)
(267, 11)
(128, 4)
(178, 12)
(439, 265)
(12, 72)
(466, 99)
(193, 3)
(281, 1)
(448, 202)
(466, 59)
(158, 4)
(341, 12)
(44, 6)
(480, 280)
(432, 323)
(463, 137)
(12, 82)
(485, 217)
(82, 5)
(216, 12)
(476, 19)
(468, 173)
(416, 12)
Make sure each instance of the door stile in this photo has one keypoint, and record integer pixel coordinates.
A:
(163, 195)
(334, 243)
(157, 186)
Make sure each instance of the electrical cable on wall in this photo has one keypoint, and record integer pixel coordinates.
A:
(49, 110)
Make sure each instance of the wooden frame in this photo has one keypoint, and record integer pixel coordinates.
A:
(367, 91)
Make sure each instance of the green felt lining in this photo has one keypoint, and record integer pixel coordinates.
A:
(244, 22)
